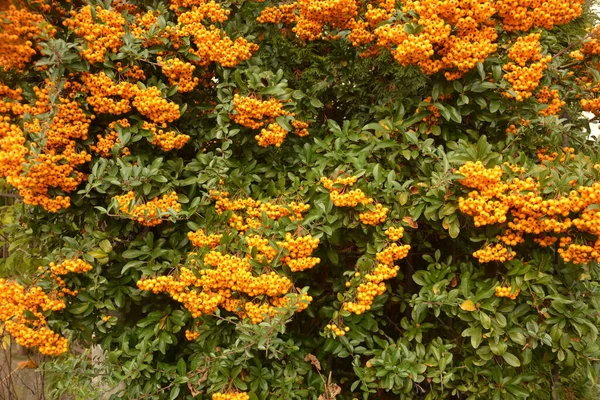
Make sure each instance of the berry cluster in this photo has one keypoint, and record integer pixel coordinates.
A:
(151, 104)
(57, 271)
(247, 212)
(210, 44)
(300, 128)
(151, 213)
(33, 170)
(145, 26)
(283, 13)
(394, 233)
(167, 140)
(494, 253)
(567, 153)
(191, 336)
(180, 73)
(201, 239)
(19, 28)
(105, 144)
(225, 281)
(231, 396)
(591, 46)
(520, 204)
(342, 198)
(374, 217)
(338, 331)
(522, 77)
(76, 266)
(372, 284)
(264, 251)
(274, 134)
(522, 15)
(102, 30)
(452, 37)
(552, 98)
(219, 280)
(102, 93)
(299, 251)
(17, 303)
(254, 113)
(504, 291)
(315, 15)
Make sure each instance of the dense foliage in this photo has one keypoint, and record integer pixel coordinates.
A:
(312, 199)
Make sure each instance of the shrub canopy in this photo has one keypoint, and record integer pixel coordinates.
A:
(315, 199)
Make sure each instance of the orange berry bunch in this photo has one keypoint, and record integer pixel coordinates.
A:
(511, 238)
(552, 98)
(504, 291)
(30, 332)
(142, 27)
(283, 13)
(103, 91)
(264, 251)
(106, 143)
(374, 217)
(271, 15)
(165, 139)
(232, 283)
(545, 241)
(591, 46)
(522, 77)
(526, 48)
(338, 331)
(101, 32)
(519, 203)
(151, 213)
(274, 134)
(454, 37)
(247, 212)
(254, 113)
(372, 284)
(152, 105)
(10, 101)
(494, 253)
(191, 336)
(433, 118)
(211, 44)
(180, 73)
(394, 233)
(315, 16)
(231, 396)
(568, 153)
(522, 15)
(32, 170)
(228, 285)
(76, 266)
(19, 28)
(300, 128)
(299, 251)
(133, 72)
(342, 198)
(201, 239)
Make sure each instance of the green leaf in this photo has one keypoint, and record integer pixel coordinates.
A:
(175, 392)
(98, 254)
(79, 308)
(511, 359)
(106, 246)
(316, 103)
